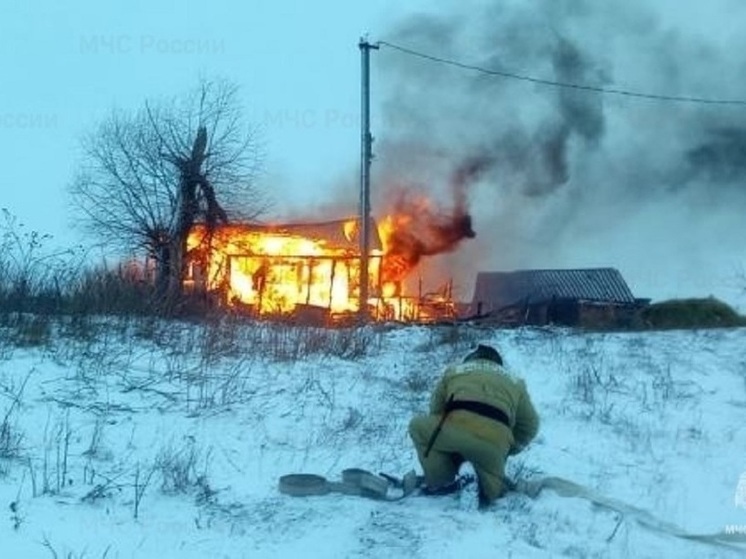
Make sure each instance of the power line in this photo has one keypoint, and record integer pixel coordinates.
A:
(567, 85)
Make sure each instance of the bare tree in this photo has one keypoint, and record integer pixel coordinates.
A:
(152, 174)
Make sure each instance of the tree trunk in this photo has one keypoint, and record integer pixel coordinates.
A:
(176, 271)
(163, 270)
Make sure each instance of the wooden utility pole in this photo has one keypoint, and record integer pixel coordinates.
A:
(366, 141)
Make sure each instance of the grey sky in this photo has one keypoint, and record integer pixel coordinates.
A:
(65, 66)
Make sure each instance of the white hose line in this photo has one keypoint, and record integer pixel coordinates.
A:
(567, 488)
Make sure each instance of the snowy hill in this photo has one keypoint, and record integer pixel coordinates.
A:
(153, 439)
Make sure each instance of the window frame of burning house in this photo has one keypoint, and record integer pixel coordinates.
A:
(290, 280)
(303, 270)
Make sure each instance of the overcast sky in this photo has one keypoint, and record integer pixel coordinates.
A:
(66, 65)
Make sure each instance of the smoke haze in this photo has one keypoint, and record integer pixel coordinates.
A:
(558, 177)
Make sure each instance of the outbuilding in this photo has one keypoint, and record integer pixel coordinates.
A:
(590, 297)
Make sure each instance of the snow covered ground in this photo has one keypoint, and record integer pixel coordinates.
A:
(148, 439)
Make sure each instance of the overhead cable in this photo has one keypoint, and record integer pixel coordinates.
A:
(560, 84)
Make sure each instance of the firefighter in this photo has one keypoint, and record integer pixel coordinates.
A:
(480, 414)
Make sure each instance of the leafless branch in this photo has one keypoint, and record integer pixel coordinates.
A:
(131, 191)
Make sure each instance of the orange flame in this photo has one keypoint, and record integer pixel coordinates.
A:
(280, 270)
(417, 229)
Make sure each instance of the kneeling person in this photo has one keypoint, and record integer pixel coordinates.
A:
(478, 414)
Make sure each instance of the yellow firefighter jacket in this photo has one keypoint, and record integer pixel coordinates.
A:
(484, 381)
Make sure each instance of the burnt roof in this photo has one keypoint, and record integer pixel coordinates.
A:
(496, 290)
(335, 233)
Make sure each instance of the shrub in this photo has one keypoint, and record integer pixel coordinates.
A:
(692, 313)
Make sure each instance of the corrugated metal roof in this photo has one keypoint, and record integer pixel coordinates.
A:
(495, 290)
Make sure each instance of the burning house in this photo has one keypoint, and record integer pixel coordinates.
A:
(312, 270)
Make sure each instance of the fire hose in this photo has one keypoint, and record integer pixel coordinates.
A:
(362, 483)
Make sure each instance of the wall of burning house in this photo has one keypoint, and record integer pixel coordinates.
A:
(312, 267)
(279, 270)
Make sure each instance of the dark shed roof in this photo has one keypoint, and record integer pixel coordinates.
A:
(496, 290)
